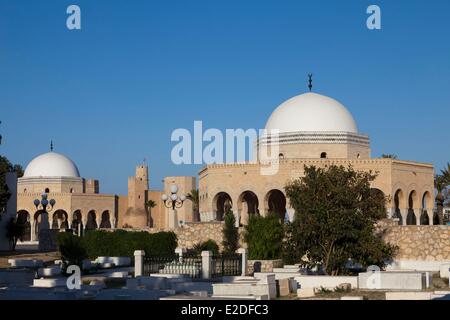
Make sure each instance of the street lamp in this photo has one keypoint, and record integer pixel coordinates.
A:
(173, 201)
(45, 205)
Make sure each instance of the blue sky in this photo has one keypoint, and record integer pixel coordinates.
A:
(112, 93)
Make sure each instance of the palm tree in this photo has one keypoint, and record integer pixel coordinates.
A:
(150, 204)
(445, 174)
(443, 181)
(194, 197)
(439, 185)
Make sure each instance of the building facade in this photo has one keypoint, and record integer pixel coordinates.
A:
(312, 130)
(79, 205)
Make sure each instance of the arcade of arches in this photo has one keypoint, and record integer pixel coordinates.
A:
(247, 204)
(60, 220)
(413, 210)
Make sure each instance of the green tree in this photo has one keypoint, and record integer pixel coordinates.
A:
(230, 233)
(194, 197)
(335, 216)
(264, 237)
(5, 167)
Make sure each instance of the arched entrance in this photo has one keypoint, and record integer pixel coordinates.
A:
(247, 205)
(77, 223)
(23, 218)
(424, 218)
(276, 203)
(91, 223)
(105, 223)
(221, 204)
(380, 198)
(398, 198)
(411, 217)
(60, 220)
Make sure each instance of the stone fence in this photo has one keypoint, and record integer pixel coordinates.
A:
(192, 233)
(424, 243)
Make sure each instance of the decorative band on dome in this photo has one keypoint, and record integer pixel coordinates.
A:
(315, 138)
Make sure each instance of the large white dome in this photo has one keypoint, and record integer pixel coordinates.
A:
(311, 112)
(51, 164)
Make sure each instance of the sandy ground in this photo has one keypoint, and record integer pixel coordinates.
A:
(27, 252)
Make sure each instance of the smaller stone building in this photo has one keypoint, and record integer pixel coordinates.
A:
(80, 205)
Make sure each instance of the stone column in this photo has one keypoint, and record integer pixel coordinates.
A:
(291, 214)
(390, 213)
(418, 214)
(139, 263)
(80, 229)
(33, 226)
(50, 222)
(206, 264)
(98, 221)
(236, 217)
(173, 223)
(404, 213)
(430, 215)
(112, 222)
(244, 253)
(84, 222)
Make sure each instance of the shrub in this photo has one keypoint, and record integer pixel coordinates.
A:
(123, 243)
(264, 237)
(208, 245)
(71, 249)
(14, 232)
(230, 233)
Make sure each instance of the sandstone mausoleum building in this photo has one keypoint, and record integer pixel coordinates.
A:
(314, 130)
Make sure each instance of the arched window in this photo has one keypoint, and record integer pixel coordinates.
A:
(71, 190)
(281, 156)
(47, 190)
(323, 155)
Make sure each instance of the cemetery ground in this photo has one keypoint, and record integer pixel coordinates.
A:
(438, 283)
(27, 252)
(337, 295)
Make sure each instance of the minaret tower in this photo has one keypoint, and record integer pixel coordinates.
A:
(138, 187)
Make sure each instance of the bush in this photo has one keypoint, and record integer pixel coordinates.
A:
(208, 245)
(264, 237)
(71, 249)
(14, 232)
(121, 243)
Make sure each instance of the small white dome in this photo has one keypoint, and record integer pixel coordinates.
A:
(311, 112)
(51, 164)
